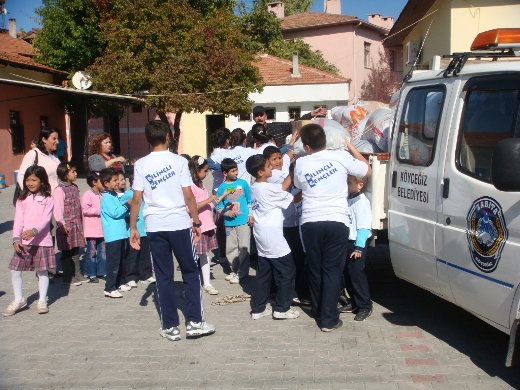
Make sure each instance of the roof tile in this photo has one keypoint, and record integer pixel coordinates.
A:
(18, 52)
(277, 71)
(312, 19)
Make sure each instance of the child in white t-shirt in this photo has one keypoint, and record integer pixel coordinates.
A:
(291, 218)
(356, 281)
(274, 254)
(322, 177)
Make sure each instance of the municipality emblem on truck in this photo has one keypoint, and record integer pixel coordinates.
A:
(486, 233)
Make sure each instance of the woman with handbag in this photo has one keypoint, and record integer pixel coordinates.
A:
(43, 156)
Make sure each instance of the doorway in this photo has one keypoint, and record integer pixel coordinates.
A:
(213, 123)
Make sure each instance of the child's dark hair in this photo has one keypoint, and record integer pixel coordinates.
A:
(155, 132)
(130, 176)
(119, 172)
(259, 134)
(255, 163)
(92, 176)
(186, 156)
(270, 150)
(313, 136)
(106, 175)
(41, 174)
(63, 169)
(195, 164)
(237, 137)
(228, 164)
(221, 136)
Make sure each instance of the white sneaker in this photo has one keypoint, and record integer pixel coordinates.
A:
(234, 280)
(266, 313)
(172, 334)
(209, 289)
(132, 284)
(113, 294)
(197, 329)
(231, 276)
(124, 288)
(151, 279)
(289, 314)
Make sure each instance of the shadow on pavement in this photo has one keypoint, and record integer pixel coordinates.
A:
(6, 226)
(412, 306)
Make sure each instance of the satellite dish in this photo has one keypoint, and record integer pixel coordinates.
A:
(81, 80)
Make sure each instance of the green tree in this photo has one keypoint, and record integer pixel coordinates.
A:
(291, 7)
(381, 82)
(188, 62)
(70, 37)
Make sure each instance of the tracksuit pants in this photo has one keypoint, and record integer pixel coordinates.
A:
(356, 281)
(282, 269)
(326, 250)
(181, 243)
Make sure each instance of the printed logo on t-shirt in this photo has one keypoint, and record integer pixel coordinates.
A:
(160, 176)
(321, 174)
(254, 205)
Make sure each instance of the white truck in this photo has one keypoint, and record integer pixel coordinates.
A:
(449, 189)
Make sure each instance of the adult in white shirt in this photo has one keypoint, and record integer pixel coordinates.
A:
(322, 177)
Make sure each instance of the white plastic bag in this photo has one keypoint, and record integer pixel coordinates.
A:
(364, 146)
(377, 128)
(334, 132)
(350, 116)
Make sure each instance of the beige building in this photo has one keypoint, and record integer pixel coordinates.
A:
(454, 26)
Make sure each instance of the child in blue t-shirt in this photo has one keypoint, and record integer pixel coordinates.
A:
(237, 220)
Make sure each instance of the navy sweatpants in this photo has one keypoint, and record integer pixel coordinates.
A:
(181, 243)
(282, 270)
(356, 281)
(326, 250)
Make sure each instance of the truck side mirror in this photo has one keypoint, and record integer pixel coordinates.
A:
(505, 165)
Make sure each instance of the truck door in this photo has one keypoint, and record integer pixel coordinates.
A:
(414, 193)
(479, 227)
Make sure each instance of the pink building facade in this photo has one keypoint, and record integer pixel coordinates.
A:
(351, 44)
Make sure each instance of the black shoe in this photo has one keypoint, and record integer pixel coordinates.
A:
(348, 308)
(362, 314)
(339, 324)
(93, 279)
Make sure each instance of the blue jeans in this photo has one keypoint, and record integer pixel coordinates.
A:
(95, 260)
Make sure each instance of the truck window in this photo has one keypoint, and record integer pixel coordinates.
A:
(489, 116)
(419, 125)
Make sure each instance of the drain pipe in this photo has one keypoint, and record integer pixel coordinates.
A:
(354, 59)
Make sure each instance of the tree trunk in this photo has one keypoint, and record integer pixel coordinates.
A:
(174, 137)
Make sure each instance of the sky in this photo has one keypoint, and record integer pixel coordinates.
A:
(23, 10)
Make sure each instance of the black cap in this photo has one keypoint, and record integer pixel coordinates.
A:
(258, 110)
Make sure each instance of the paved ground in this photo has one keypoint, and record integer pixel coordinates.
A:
(413, 340)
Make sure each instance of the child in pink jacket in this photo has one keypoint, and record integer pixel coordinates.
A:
(95, 261)
(32, 241)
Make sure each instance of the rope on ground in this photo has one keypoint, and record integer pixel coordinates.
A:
(234, 298)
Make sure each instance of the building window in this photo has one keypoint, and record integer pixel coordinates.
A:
(391, 59)
(16, 129)
(244, 117)
(294, 113)
(136, 108)
(271, 113)
(367, 55)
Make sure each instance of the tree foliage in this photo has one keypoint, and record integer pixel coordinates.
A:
(381, 82)
(70, 37)
(265, 35)
(291, 7)
(187, 61)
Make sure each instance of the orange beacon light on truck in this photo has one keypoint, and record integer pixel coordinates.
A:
(499, 38)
